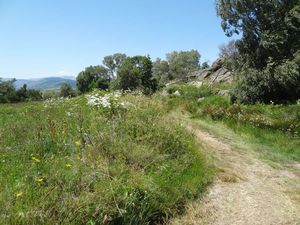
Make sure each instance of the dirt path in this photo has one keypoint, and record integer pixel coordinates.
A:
(247, 191)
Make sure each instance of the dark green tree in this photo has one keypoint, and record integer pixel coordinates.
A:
(34, 95)
(269, 48)
(8, 91)
(204, 65)
(93, 77)
(136, 73)
(22, 93)
(270, 29)
(66, 91)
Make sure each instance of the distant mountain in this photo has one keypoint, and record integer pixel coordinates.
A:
(46, 83)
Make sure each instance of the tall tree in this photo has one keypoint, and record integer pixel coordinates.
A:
(269, 48)
(113, 62)
(270, 29)
(161, 71)
(182, 63)
(93, 77)
(136, 73)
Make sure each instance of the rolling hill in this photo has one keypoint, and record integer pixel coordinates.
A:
(46, 83)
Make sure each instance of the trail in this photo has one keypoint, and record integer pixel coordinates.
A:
(247, 191)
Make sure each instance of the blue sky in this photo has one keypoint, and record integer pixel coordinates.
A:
(42, 38)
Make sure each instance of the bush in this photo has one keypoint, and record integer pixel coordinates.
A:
(276, 83)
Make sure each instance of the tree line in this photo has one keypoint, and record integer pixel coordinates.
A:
(117, 72)
(9, 94)
(121, 72)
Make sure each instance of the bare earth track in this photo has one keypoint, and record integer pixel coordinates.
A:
(247, 191)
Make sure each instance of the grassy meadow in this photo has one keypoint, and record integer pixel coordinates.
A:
(96, 159)
(272, 129)
(121, 158)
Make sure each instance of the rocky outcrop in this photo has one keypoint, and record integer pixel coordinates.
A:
(217, 73)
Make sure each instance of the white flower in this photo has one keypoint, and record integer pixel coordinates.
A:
(105, 101)
(125, 104)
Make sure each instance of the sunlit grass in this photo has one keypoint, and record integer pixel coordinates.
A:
(66, 162)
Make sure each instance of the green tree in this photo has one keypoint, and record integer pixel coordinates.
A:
(22, 93)
(204, 65)
(269, 48)
(136, 73)
(34, 95)
(113, 62)
(8, 91)
(48, 94)
(161, 71)
(270, 29)
(182, 63)
(93, 77)
(66, 91)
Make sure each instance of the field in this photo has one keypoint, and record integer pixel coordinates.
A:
(96, 159)
(123, 158)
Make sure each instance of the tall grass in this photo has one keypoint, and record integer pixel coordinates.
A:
(274, 130)
(65, 162)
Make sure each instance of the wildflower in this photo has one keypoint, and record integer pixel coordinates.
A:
(19, 195)
(78, 143)
(125, 104)
(35, 159)
(105, 101)
(68, 165)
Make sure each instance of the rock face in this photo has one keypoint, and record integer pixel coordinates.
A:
(217, 73)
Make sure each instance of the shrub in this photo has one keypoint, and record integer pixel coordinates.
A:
(277, 83)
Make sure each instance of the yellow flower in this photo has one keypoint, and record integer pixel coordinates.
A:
(19, 195)
(35, 159)
(40, 180)
(78, 143)
(68, 165)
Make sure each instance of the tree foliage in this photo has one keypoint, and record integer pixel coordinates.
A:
(136, 73)
(178, 65)
(268, 48)
(161, 71)
(93, 77)
(269, 29)
(113, 62)
(9, 94)
(182, 63)
(66, 91)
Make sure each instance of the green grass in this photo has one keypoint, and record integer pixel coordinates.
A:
(65, 162)
(273, 130)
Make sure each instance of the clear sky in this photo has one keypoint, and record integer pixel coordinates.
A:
(40, 38)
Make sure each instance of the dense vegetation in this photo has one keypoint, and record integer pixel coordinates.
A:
(268, 61)
(274, 128)
(8, 93)
(115, 154)
(121, 72)
(102, 158)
